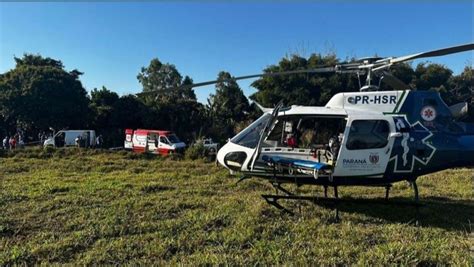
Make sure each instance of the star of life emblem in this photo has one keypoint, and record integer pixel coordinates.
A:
(428, 113)
(404, 155)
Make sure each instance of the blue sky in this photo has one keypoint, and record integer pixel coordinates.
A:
(110, 42)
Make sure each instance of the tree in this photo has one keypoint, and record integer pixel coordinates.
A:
(187, 92)
(461, 89)
(103, 97)
(173, 107)
(159, 78)
(114, 114)
(38, 61)
(102, 106)
(185, 117)
(227, 107)
(126, 112)
(130, 112)
(432, 76)
(39, 93)
(302, 89)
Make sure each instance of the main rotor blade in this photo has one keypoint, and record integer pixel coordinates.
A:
(435, 53)
(269, 74)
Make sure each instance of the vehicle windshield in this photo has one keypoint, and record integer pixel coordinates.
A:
(250, 136)
(173, 139)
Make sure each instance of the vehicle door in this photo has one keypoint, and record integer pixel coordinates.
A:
(59, 139)
(152, 141)
(139, 142)
(366, 147)
(128, 143)
(263, 134)
(164, 145)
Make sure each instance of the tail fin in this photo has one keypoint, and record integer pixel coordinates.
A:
(459, 110)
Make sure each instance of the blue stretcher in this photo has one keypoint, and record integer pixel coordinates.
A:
(301, 165)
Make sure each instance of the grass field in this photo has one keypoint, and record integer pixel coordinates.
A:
(92, 207)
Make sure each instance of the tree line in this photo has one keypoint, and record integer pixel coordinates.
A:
(39, 94)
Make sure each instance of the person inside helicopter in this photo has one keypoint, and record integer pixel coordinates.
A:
(317, 134)
(334, 145)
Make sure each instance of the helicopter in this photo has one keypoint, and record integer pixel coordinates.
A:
(366, 138)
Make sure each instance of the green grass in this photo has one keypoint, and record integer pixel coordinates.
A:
(93, 207)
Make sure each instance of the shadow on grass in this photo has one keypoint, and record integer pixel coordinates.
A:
(437, 212)
(452, 215)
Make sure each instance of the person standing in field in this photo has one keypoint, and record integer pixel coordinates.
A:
(87, 139)
(5, 143)
(41, 137)
(12, 143)
(78, 141)
(21, 141)
(98, 141)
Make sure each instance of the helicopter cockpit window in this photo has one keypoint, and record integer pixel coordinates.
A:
(250, 136)
(368, 134)
(276, 131)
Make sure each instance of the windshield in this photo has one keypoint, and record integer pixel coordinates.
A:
(249, 136)
(173, 139)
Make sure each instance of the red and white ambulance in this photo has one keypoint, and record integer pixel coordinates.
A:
(153, 141)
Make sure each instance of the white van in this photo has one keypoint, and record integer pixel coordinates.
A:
(68, 138)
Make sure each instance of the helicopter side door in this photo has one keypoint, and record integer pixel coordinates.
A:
(366, 147)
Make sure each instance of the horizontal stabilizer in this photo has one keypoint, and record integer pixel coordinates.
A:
(459, 110)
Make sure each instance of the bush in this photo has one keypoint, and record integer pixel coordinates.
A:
(196, 151)
(174, 156)
(49, 149)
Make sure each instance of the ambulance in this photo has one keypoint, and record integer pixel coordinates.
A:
(153, 141)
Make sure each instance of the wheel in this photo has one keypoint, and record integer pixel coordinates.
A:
(315, 174)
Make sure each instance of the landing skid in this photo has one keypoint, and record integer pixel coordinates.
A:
(335, 201)
(273, 200)
(278, 186)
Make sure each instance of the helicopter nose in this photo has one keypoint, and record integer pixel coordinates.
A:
(234, 157)
(221, 154)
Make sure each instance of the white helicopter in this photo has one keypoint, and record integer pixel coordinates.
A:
(371, 137)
